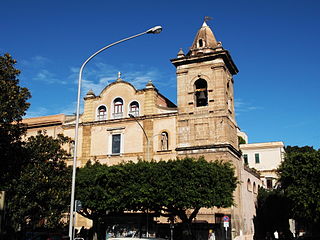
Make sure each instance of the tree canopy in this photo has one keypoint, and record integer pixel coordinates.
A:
(13, 105)
(32, 172)
(166, 188)
(40, 195)
(272, 214)
(189, 183)
(299, 178)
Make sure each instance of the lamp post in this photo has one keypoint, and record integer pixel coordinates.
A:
(156, 29)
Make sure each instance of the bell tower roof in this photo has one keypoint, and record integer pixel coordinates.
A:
(204, 41)
(205, 48)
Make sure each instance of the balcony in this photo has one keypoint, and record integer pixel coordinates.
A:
(117, 115)
(134, 113)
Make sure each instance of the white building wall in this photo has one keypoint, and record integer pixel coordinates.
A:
(271, 154)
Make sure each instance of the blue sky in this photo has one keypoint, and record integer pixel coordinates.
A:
(274, 43)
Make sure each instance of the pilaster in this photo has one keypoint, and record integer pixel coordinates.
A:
(86, 144)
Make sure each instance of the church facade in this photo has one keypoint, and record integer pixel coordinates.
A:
(124, 124)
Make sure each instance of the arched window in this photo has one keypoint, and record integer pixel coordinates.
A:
(164, 141)
(201, 93)
(71, 148)
(254, 187)
(249, 186)
(101, 113)
(134, 108)
(118, 108)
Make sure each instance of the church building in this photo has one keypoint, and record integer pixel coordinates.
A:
(123, 124)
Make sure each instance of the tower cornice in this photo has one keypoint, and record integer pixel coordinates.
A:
(223, 54)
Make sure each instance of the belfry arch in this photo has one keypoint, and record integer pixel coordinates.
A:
(201, 92)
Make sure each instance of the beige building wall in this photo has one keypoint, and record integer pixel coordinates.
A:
(249, 190)
(52, 125)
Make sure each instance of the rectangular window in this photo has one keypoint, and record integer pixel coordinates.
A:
(116, 143)
(245, 159)
(257, 157)
(269, 183)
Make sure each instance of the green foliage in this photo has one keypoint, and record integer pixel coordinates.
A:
(98, 189)
(169, 188)
(42, 148)
(13, 97)
(164, 188)
(304, 149)
(40, 196)
(13, 104)
(190, 183)
(272, 213)
(34, 175)
(299, 178)
(241, 140)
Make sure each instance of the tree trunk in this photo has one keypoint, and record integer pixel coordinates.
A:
(187, 231)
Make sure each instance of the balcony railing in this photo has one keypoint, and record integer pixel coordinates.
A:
(134, 113)
(117, 115)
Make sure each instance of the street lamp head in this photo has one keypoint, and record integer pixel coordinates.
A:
(155, 30)
(131, 116)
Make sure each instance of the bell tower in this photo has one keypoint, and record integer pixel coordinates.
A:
(206, 119)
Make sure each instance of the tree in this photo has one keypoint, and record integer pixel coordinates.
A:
(272, 214)
(102, 191)
(299, 178)
(165, 188)
(13, 105)
(41, 194)
(190, 184)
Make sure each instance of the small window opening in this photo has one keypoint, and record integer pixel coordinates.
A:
(71, 148)
(164, 141)
(118, 108)
(269, 183)
(200, 43)
(249, 185)
(257, 157)
(245, 159)
(254, 187)
(201, 92)
(134, 108)
(102, 113)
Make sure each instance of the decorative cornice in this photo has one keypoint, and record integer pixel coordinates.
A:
(120, 120)
(44, 124)
(224, 54)
(211, 146)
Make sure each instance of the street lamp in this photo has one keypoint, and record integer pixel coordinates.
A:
(154, 30)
